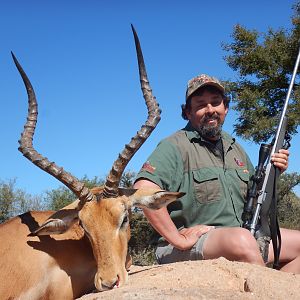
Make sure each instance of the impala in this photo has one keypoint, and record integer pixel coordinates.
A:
(83, 246)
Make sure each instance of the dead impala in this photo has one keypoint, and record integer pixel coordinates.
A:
(65, 254)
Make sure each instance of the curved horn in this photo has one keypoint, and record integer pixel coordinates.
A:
(114, 177)
(26, 147)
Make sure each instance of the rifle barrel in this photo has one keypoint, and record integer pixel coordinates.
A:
(286, 103)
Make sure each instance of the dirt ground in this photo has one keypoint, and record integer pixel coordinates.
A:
(211, 279)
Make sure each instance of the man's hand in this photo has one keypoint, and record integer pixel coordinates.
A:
(189, 236)
(280, 159)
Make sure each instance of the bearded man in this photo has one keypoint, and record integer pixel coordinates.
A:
(214, 172)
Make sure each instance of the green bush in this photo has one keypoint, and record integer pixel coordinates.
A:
(141, 250)
(289, 202)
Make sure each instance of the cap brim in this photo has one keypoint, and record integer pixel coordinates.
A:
(220, 87)
(215, 84)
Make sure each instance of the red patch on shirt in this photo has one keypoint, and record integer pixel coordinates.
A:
(148, 167)
(239, 163)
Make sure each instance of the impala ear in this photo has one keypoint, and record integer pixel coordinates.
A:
(58, 223)
(154, 199)
(126, 191)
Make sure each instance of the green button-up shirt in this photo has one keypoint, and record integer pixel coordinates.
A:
(215, 186)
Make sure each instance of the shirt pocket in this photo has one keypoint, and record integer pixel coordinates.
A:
(244, 178)
(207, 186)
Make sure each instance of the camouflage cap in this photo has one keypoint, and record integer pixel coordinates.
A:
(200, 81)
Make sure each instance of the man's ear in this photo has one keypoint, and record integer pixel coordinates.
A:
(187, 112)
(226, 110)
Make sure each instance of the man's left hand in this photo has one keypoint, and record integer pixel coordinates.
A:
(281, 159)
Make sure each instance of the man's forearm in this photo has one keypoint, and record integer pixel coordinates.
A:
(163, 224)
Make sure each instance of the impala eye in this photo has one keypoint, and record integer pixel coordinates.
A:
(125, 221)
(83, 227)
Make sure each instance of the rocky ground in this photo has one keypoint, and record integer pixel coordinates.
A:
(211, 279)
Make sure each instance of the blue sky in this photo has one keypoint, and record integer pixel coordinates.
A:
(80, 58)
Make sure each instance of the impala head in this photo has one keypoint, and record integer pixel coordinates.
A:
(106, 223)
(101, 212)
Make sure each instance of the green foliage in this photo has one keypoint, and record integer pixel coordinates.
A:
(127, 179)
(90, 183)
(58, 198)
(144, 257)
(6, 200)
(289, 212)
(62, 196)
(264, 63)
(289, 203)
(139, 245)
(287, 182)
(15, 201)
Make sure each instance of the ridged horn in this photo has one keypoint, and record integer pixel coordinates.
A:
(114, 177)
(26, 146)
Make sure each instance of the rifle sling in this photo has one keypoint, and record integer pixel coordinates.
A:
(274, 225)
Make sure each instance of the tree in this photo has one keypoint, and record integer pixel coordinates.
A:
(289, 203)
(127, 179)
(287, 182)
(15, 201)
(265, 63)
(62, 196)
(6, 200)
(140, 242)
(58, 198)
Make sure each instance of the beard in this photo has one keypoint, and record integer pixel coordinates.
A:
(210, 131)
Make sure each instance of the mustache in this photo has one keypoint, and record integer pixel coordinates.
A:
(208, 130)
(206, 118)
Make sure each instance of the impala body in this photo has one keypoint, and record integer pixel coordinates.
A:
(46, 267)
(68, 265)
(82, 247)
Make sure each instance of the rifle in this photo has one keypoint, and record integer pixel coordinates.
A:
(260, 210)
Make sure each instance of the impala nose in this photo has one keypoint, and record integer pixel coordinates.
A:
(103, 285)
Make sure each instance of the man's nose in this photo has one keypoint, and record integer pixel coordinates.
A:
(209, 109)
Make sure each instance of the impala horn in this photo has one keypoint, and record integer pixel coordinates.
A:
(76, 186)
(114, 177)
(26, 147)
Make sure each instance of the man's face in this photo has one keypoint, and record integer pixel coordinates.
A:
(207, 114)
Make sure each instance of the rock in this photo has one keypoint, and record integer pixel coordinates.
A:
(209, 279)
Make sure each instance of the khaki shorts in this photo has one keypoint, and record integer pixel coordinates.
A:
(166, 253)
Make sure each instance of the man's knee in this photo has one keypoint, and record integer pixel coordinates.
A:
(245, 247)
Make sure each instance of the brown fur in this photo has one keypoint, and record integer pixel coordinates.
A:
(68, 265)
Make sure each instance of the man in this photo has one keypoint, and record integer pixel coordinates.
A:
(213, 170)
